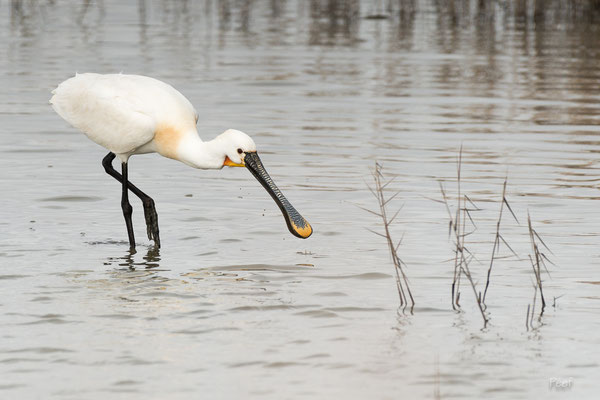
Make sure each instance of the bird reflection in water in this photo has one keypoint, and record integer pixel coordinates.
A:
(150, 260)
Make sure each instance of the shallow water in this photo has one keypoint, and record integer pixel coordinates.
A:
(232, 306)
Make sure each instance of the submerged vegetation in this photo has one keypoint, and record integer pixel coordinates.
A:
(538, 259)
(462, 256)
(461, 224)
(402, 285)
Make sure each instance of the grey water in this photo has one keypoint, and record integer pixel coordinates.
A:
(232, 305)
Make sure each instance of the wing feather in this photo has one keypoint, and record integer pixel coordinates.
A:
(109, 112)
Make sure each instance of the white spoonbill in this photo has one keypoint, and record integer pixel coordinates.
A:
(133, 114)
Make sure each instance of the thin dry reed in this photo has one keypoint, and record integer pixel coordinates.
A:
(402, 285)
(460, 225)
(462, 256)
(538, 260)
(499, 238)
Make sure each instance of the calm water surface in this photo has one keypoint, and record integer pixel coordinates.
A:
(233, 306)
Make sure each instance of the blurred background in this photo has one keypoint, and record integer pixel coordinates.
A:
(234, 306)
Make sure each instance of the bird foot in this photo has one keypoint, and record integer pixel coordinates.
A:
(151, 221)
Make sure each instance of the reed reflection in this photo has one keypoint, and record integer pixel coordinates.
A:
(334, 22)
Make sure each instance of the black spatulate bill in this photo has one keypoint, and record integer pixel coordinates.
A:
(296, 224)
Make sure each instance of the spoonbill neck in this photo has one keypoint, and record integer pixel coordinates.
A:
(196, 153)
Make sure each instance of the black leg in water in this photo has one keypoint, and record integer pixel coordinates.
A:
(149, 207)
(127, 209)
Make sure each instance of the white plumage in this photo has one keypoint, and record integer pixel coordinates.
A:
(133, 114)
(122, 112)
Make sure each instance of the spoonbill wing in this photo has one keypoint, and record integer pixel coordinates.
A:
(108, 111)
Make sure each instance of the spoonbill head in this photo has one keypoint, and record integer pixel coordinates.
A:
(235, 146)
(134, 114)
(240, 151)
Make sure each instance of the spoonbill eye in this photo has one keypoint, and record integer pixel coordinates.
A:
(240, 151)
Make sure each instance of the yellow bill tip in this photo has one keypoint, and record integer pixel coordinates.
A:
(303, 232)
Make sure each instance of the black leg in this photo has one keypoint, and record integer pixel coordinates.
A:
(127, 209)
(149, 207)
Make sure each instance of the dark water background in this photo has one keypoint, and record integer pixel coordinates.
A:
(233, 306)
